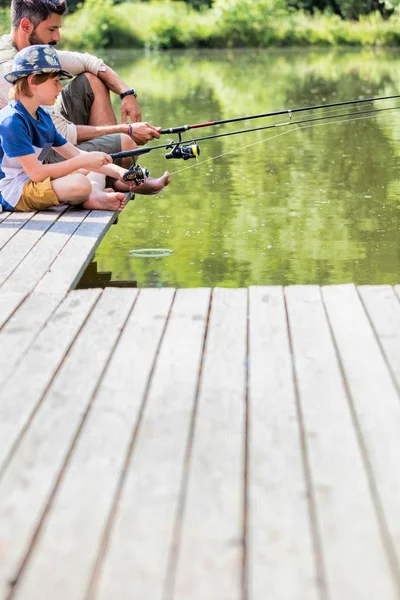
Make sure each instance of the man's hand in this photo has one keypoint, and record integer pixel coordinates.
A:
(130, 109)
(143, 132)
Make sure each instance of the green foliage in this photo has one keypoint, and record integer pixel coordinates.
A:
(229, 23)
(73, 5)
(97, 25)
(348, 9)
(248, 22)
(4, 20)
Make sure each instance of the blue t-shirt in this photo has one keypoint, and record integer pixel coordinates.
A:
(20, 135)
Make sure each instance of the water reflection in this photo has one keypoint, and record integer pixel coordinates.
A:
(318, 205)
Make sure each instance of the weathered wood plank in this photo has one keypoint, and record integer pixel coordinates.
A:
(210, 555)
(383, 307)
(346, 522)
(20, 245)
(8, 305)
(374, 399)
(82, 505)
(38, 261)
(29, 480)
(280, 552)
(137, 563)
(24, 390)
(22, 328)
(3, 215)
(70, 264)
(15, 221)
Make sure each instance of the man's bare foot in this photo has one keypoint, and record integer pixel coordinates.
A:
(151, 185)
(106, 201)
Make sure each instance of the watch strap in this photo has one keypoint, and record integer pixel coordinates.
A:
(131, 92)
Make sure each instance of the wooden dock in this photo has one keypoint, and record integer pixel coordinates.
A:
(192, 444)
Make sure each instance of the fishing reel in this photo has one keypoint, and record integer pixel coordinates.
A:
(185, 152)
(137, 174)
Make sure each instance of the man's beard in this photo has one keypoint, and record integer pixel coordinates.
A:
(35, 39)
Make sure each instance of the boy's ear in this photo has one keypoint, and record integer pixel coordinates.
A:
(26, 25)
(31, 80)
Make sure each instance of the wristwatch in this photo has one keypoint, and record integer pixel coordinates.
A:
(130, 92)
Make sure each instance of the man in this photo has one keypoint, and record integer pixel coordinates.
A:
(26, 130)
(83, 113)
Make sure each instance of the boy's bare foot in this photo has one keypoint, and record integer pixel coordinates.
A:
(107, 200)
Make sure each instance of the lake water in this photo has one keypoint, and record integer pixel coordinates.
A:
(283, 206)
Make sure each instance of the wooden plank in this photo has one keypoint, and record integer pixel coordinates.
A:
(30, 478)
(39, 259)
(375, 402)
(383, 308)
(210, 554)
(280, 551)
(9, 304)
(82, 505)
(137, 563)
(70, 264)
(23, 391)
(22, 328)
(19, 246)
(346, 524)
(3, 215)
(15, 221)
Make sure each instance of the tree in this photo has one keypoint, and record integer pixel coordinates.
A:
(348, 9)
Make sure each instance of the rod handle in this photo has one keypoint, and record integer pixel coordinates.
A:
(179, 129)
(127, 153)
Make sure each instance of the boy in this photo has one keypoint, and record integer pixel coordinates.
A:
(27, 133)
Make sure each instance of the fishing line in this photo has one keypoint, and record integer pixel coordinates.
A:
(203, 162)
(297, 128)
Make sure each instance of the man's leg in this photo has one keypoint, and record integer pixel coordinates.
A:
(86, 101)
(101, 112)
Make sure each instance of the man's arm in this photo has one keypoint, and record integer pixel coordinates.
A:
(77, 63)
(129, 105)
(141, 132)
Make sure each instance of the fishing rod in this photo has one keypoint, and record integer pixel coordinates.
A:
(183, 128)
(186, 149)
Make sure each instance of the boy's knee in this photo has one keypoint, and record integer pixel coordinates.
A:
(79, 187)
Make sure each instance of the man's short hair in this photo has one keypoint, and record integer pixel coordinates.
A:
(35, 10)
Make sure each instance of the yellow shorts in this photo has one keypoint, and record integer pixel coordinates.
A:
(37, 196)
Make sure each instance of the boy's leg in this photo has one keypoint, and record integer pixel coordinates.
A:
(37, 196)
(88, 191)
(75, 189)
(101, 198)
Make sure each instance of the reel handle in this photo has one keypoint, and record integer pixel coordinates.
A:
(137, 174)
(185, 152)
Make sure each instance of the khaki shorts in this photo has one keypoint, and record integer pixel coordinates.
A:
(37, 196)
(75, 103)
